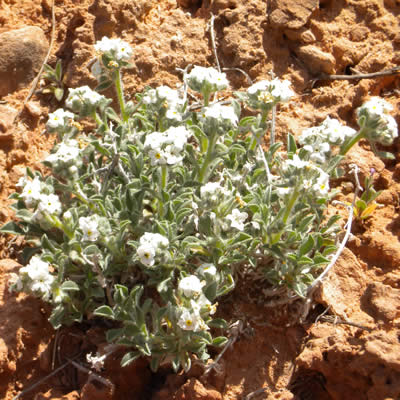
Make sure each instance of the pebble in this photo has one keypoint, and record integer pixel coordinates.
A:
(316, 59)
(22, 52)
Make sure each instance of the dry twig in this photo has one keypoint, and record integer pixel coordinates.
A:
(386, 72)
(339, 251)
(36, 80)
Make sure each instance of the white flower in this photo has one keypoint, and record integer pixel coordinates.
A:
(165, 147)
(318, 151)
(265, 92)
(213, 191)
(283, 191)
(260, 86)
(41, 279)
(59, 119)
(146, 253)
(89, 227)
(83, 96)
(207, 269)
(389, 130)
(321, 187)
(202, 303)
(96, 362)
(237, 219)
(189, 321)
(280, 90)
(310, 135)
(375, 107)
(336, 132)
(190, 286)
(177, 136)
(201, 77)
(49, 203)
(154, 239)
(31, 192)
(255, 225)
(296, 162)
(158, 156)
(221, 113)
(67, 216)
(67, 151)
(116, 48)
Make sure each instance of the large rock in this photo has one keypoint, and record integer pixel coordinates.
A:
(22, 52)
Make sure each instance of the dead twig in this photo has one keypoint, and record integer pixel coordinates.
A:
(36, 80)
(40, 381)
(92, 375)
(339, 251)
(386, 72)
(334, 319)
(234, 330)
(210, 27)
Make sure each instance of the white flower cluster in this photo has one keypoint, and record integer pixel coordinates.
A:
(166, 147)
(213, 192)
(312, 177)
(203, 79)
(37, 278)
(166, 99)
(317, 140)
(67, 151)
(83, 97)
(382, 128)
(265, 94)
(89, 226)
(59, 119)
(219, 116)
(150, 245)
(117, 49)
(33, 196)
(190, 318)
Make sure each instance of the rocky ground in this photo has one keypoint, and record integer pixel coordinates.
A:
(351, 352)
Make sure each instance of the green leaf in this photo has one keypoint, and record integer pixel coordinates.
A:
(128, 358)
(70, 285)
(291, 145)
(113, 334)
(58, 71)
(104, 311)
(218, 323)
(12, 228)
(103, 86)
(219, 341)
(306, 246)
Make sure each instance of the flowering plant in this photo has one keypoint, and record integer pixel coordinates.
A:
(147, 220)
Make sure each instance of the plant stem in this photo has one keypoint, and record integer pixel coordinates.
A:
(96, 117)
(163, 185)
(208, 157)
(290, 205)
(350, 143)
(120, 94)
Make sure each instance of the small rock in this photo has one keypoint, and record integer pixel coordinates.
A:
(33, 108)
(22, 52)
(316, 60)
(7, 115)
